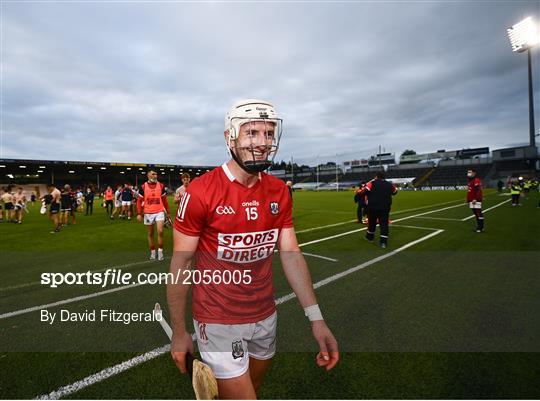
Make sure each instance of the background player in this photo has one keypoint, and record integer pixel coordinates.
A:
(108, 197)
(474, 198)
(20, 205)
(360, 198)
(152, 202)
(54, 207)
(182, 189)
(66, 203)
(117, 202)
(231, 219)
(7, 200)
(127, 198)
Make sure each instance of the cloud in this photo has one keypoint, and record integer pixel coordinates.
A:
(151, 82)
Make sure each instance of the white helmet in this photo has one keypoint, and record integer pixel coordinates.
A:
(248, 111)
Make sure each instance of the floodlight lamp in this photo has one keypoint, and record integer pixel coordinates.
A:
(523, 35)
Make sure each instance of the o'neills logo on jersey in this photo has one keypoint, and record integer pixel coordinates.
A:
(252, 203)
(246, 247)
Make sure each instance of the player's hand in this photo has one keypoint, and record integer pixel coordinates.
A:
(181, 344)
(474, 201)
(139, 218)
(328, 355)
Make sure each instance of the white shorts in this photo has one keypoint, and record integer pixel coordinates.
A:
(476, 205)
(151, 218)
(226, 348)
(126, 203)
(117, 204)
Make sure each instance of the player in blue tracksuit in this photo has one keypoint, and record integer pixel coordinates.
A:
(126, 197)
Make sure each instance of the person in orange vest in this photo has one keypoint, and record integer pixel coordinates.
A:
(109, 196)
(153, 204)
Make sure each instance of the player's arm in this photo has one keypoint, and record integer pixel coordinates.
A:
(165, 203)
(184, 247)
(297, 274)
(177, 197)
(140, 200)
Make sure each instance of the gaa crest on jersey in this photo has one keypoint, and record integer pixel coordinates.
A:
(274, 207)
(237, 349)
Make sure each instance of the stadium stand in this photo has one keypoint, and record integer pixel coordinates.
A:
(16, 172)
(456, 175)
(512, 167)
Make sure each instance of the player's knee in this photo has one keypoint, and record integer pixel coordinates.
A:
(240, 388)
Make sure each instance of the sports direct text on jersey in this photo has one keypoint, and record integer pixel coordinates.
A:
(246, 247)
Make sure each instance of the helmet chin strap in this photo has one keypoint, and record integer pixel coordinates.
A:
(251, 167)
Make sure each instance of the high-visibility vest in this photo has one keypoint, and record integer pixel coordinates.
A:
(515, 189)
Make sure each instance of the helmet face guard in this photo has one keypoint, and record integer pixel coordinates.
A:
(254, 134)
(256, 144)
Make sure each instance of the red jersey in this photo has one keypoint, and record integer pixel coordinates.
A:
(474, 190)
(238, 228)
(154, 196)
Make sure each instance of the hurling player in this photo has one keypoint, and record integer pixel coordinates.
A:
(229, 221)
(474, 198)
(153, 203)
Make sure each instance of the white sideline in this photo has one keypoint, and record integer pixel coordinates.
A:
(487, 210)
(322, 227)
(80, 298)
(417, 227)
(320, 257)
(365, 228)
(392, 213)
(106, 373)
(438, 218)
(344, 273)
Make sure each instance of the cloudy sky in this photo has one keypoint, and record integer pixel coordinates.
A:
(151, 81)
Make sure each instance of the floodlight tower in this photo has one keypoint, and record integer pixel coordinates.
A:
(524, 36)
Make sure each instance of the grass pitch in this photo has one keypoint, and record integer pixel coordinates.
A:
(443, 312)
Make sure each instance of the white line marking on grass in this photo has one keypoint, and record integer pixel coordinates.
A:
(438, 218)
(417, 227)
(104, 374)
(321, 227)
(121, 367)
(320, 257)
(67, 301)
(361, 266)
(487, 210)
(365, 228)
(424, 207)
(332, 237)
(392, 213)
